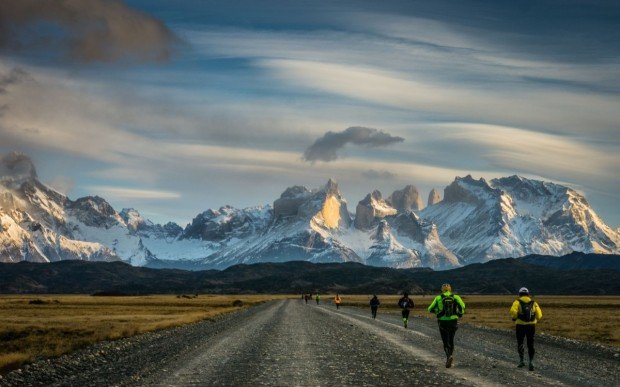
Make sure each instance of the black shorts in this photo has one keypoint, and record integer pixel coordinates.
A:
(405, 313)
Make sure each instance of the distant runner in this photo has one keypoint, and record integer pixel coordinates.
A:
(406, 304)
(525, 312)
(374, 305)
(306, 297)
(337, 301)
(449, 308)
(318, 298)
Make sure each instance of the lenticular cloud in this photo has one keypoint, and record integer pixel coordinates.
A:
(326, 148)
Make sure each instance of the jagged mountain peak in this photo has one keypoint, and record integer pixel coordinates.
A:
(478, 220)
(406, 199)
(371, 209)
(434, 197)
(469, 190)
(133, 219)
(331, 187)
(94, 211)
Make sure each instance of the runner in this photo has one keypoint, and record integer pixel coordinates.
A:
(306, 297)
(526, 313)
(318, 298)
(337, 301)
(374, 305)
(406, 304)
(449, 308)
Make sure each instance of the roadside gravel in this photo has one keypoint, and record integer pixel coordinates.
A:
(289, 343)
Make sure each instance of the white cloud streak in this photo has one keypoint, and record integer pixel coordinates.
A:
(132, 193)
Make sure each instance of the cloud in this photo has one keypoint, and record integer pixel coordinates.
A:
(131, 193)
(325, 148)
(545, 108)
(84, 30)
(379, 174)
(11, 77)
(62, 184)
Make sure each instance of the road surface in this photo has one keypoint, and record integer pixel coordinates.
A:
(289, 343)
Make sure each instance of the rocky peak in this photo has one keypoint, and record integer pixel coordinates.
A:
(406, 199)
(372, 208)
(383, 231)
(467, 189)
(132, 218)
(172, 229)
(289, 202)
(326, 207)
(94, 211)
(227, 221)
(331, 188)
(434, 197)
(16, 167)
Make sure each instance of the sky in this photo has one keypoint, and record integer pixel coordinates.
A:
(174, 107)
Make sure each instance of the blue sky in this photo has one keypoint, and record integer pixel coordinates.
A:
(490, 88)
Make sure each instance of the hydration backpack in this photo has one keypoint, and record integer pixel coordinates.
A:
(406, 303)
(527, 311)
(449, 306)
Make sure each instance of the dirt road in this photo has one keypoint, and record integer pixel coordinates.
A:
(289, 343)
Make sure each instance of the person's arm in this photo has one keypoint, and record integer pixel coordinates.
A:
(433, 305)
(460, 302)
(514, 310)
(538, 311)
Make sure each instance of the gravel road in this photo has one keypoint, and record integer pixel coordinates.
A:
(289, 343)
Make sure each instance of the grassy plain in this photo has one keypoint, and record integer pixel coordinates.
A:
(63, 323)
(57, 324)
(589, 318)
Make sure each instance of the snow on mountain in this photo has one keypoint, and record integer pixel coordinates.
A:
(514, 216)
(476, 221)
(303, 229)
(32, 219)
(371, 209)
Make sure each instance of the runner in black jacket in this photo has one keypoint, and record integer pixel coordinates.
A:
(406, 304)
(374, 305)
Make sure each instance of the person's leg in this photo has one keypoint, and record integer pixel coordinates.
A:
(531, 330)
(520, 336)
(445, 336)
(451, 333)
(405, 317)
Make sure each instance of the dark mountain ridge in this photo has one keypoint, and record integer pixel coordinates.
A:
(579, 274)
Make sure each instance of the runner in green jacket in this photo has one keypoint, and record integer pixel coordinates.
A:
(448, 307)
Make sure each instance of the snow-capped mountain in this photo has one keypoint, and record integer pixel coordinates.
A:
(39, 224)
(514, 216)
(476, 221)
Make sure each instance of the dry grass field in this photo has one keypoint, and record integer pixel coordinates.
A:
(62, 323)
(45, 326)
(590, 318)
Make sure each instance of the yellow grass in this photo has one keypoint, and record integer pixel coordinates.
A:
(64, 323)
(590, 318)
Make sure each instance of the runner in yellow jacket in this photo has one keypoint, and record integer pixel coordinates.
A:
(337, 301)
(526, 313)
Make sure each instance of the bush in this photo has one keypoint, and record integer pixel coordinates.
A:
(237, 303)
(37, 302)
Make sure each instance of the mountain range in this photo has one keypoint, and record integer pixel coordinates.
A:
(580, 274)
(475, 221)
